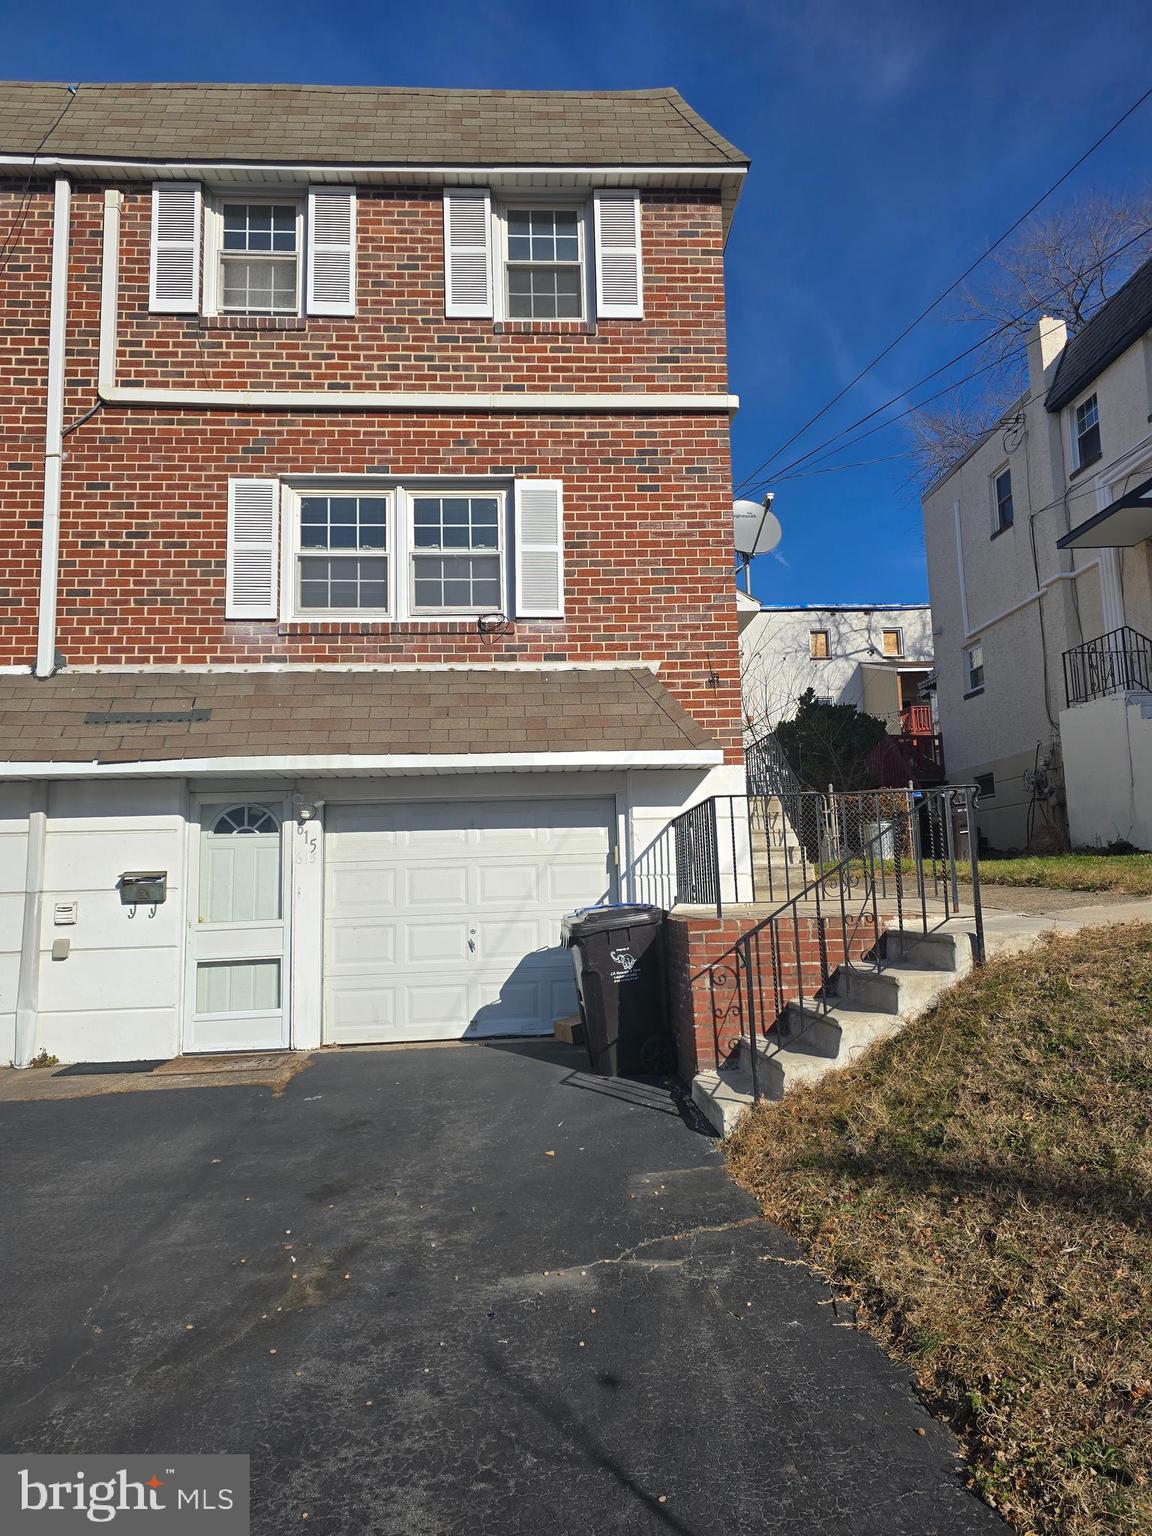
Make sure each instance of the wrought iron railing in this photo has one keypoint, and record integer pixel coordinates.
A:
(768, 769)
(732, 851)
(1118, 662)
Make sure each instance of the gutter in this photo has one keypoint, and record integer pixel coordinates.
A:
(514, 401)
(382, 765)
(54, 432)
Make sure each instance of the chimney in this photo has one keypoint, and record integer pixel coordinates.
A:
(1046, 341)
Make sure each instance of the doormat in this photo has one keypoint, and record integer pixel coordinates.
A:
(201, 1066)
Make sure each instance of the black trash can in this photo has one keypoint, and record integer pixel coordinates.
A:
(618, 953)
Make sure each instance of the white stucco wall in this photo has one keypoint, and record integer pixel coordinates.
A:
(1021, 598)
(1108, 769)
(118, 995)
(778, 667)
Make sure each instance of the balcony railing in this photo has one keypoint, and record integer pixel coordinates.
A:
(1118, 662)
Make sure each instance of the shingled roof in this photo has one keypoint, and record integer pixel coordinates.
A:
(140, 717)
(1119, 322)
(367, 125)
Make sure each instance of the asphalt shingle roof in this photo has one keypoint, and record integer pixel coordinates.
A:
(1111, 330)
(298, 712)
(393, 125)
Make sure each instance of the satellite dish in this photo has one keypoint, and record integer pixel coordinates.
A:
(755, 527)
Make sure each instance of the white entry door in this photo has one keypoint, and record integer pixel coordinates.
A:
(443, 919)
(237, 982)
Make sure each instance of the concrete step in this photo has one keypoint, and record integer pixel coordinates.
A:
(943, 950)
(900, 988)
(722, 1098)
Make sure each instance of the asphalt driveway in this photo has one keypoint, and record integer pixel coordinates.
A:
(441, 1291)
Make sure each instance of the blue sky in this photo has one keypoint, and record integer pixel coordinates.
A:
(891, 141)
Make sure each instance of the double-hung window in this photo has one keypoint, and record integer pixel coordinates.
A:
(544, 266)
(974, 668)
(258, 249)
(397, 553)
(1003, 511)
(342, 555)
(456, 553)
(1086, 432)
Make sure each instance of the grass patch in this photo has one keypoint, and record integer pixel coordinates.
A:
(1130, 873)
(981, 1185)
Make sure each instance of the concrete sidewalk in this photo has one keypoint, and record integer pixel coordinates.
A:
(444, 1292)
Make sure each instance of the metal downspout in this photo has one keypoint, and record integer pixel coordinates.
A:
(28, 982)
(54, 432)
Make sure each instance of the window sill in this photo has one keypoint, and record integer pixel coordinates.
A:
(547, 327)
(1007, 528)
(394, 628)
(973, 693)
(1080, 468)
(250, 323)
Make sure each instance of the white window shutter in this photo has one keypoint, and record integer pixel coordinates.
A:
(539, 542)
(467, 251)
(252, 588)
(619, 267)
(174, 269)
(331, 251)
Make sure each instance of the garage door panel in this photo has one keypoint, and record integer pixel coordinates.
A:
(359, 945)
(435, 943)
(361, 890)
(408, 885)
(436, 885)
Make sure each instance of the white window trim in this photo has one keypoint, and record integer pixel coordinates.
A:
(1074, 436)
(971, 689)
(214, 200)
(582, 207)
(1005, 468)
(898, 653)
(400, 550)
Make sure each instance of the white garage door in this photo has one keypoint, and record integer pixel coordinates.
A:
(443, 919)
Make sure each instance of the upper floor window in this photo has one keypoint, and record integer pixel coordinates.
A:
(892, 642)
(818, 644)
(397, 553)
(974, 668)
(258, 252)
(1086, 432)
(1003, 511)
(544, 269)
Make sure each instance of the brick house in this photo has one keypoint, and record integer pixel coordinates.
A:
(368, 595)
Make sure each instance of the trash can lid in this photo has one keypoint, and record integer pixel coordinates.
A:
(624, 914)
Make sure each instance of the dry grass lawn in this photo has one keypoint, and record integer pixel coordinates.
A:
(981, 1184)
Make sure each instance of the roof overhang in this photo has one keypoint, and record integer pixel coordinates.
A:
(388, 766)
(727, 179)
(1122, 523)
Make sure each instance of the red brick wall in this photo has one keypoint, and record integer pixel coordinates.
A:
(707, 994)
(647, 496)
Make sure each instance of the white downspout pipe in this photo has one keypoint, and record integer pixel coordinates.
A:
(28, 980)
(54, 432)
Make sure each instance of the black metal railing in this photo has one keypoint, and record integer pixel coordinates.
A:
(768, 769)
(1118, 662)
(732, 851)
(904, 873)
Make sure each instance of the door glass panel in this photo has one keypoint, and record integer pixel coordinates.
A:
(240, 867)
(238, 986)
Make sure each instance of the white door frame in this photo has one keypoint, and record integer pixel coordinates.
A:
(278, 800)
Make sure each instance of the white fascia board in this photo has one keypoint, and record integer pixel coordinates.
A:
(184, 170)
(410, 400)
(210, 669)
(385, 766)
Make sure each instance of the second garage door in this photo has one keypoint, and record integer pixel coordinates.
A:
(442, 919)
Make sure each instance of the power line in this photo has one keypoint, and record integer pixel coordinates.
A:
(812, 453)
(16, 228)
(940, 297)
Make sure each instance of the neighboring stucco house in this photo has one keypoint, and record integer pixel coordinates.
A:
(367, 600)
(1040, 571)
(877, 656)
